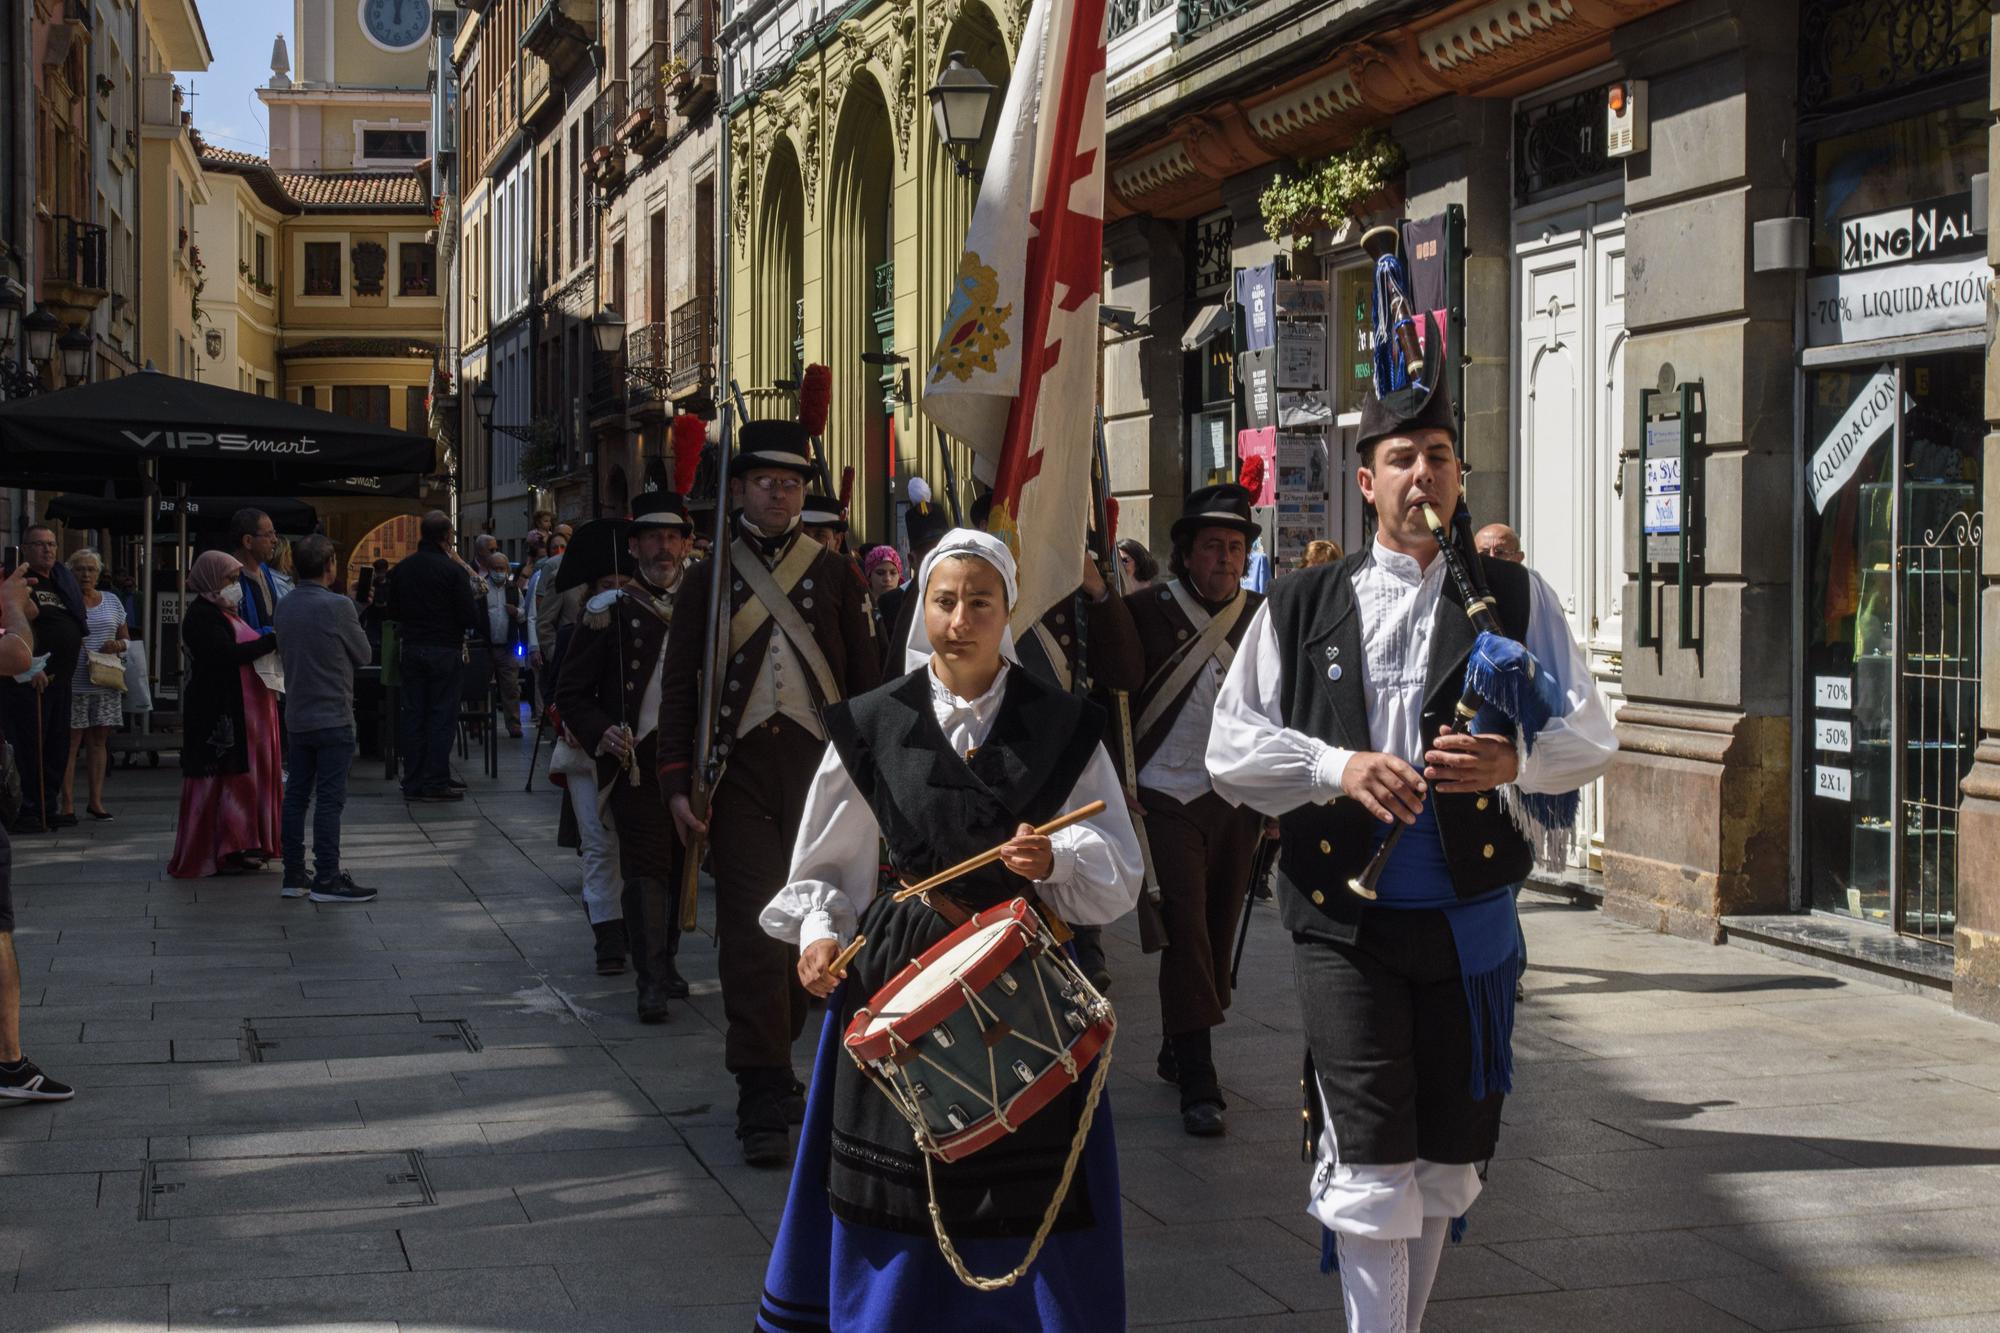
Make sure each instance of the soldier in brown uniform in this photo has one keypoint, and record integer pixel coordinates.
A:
(799, 641)
(611, 693)
(1202, 846)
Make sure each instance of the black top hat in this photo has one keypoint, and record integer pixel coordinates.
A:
(822, 511)
(660, 509)
(773, 444)
(1223, 506)
(1408, 409)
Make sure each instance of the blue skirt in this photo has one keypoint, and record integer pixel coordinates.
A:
(827, 1274)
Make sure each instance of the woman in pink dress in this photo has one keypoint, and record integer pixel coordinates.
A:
(232, 789)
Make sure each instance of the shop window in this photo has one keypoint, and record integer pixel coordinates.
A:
(1884, 172)
(363, 402)
(322, 276)
(417, 269)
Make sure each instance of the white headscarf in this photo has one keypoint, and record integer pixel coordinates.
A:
(960, 541)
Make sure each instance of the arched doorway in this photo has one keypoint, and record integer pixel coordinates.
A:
(860, 304)
(617, 494)
(781, 277)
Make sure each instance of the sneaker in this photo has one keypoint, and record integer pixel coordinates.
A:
(296, 886)
(341, 889)
(25, 1083)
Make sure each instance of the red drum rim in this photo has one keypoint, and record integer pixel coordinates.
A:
(1007, 947)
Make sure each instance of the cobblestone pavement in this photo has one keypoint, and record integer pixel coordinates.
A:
(429, 1112)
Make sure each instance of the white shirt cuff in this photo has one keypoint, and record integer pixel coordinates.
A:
(1063, 861)
(1328, 771)
(815, 926)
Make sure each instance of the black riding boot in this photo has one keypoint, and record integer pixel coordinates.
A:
(1201, 1093)
(645, 924)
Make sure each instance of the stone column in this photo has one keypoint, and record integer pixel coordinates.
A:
(1976, 966)
(1458, 150)
(1145, 271)
(1699, 802)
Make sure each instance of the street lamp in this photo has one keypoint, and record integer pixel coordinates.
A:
(960, 101)
(12, 297)
(607, 326)
(40, 330)
(483, 399)
(75, 347)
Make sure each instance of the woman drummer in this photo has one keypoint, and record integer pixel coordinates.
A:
(964, 753)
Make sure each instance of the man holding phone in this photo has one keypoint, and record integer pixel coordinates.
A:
(35, 713)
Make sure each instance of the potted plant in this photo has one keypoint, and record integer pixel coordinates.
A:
(1326, 194)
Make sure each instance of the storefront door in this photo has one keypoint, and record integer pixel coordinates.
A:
(1892, 535)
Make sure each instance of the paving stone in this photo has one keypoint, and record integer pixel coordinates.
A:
(80, 1263)
(1610, 1261)
(124, 1309)
(496, 1297)
(1641, 1309)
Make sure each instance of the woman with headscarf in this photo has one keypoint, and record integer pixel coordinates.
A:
(232, 789)
(963, 753)
(882, 568)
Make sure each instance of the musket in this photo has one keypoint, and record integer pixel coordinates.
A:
(708, 759)
(1260, 866)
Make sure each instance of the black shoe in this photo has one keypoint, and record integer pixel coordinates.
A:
(340, 889)
(765, 1147)
(25, 1083)
(1204, 1120)
(676, 985)
(652, 1003)
(60, 820)
(296, 885)
(454, 784)
(438, 794)
(610, 947)
(97, 814)
(794, 1103)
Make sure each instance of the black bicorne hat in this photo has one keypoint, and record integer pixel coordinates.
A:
(773, 444)
(1407, 409)
(1223, 506)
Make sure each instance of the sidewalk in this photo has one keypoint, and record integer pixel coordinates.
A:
(428, 1112)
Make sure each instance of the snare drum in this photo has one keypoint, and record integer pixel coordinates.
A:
(981, 1032)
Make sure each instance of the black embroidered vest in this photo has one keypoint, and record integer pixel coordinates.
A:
(936, 810)
(1318, 624)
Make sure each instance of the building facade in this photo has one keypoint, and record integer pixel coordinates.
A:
(1717, 281)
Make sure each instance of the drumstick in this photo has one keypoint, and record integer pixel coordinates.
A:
(838, 967)
(987, 858)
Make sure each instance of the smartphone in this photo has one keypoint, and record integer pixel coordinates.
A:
(10, 558)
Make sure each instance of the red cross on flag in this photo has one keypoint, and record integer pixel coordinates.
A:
(1014, 376)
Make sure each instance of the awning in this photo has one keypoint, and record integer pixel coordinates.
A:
(205, 514)
(1211, 323)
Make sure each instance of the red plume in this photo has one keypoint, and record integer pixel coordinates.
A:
(846, 487)
(1111, 522)
(690, 434)
(1253, 477)
(815, 400)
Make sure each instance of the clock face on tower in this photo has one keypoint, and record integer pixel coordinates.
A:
(396, 25)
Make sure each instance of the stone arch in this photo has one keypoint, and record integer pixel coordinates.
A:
(779, 281)
(860, 241)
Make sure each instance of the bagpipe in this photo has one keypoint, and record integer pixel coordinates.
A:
(1504, 686)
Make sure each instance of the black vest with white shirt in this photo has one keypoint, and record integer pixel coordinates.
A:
(1317, 621)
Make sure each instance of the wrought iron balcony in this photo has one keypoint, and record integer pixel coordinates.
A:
(1129, 14)
(691, 346)
(694, 54)
(607, 114)
(74, 262)
(1197, 16)
(649, 81)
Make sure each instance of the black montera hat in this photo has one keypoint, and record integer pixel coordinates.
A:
(1405, 410)
(773, 444)
(660, 509)
(1224, 506)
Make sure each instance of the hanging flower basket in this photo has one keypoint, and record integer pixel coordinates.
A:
(1328, 193)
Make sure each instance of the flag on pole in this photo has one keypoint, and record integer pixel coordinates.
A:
(1014, 375)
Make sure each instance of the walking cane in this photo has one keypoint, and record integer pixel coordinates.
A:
(541, 725)
(1260, 866)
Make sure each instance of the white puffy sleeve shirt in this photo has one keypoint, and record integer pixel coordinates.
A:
(836, 858)
(1255, 760)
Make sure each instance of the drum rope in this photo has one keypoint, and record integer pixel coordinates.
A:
(950, 1252)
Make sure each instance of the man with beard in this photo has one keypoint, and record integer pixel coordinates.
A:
(609, 694)
(797, 626)
(1202, 845)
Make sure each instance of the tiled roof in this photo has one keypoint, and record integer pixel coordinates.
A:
(355, 189)
(229, 157)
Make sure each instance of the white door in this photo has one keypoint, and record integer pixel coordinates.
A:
(1570, 292)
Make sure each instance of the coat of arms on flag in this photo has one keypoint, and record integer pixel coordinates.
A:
(1014, 375)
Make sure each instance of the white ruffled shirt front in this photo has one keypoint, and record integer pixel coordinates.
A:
(837, 856)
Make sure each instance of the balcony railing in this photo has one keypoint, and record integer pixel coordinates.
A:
(1129, 14)
(649, 79)
(75, 255)
(694, 53)
(535, 82)
(884, 300)
(691, 345)
(1197, 16)
(608, 114)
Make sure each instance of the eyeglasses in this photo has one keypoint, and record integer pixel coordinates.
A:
(778, 485)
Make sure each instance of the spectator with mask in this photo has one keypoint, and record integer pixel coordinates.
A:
(20, 1079)
(323, 644)
(503, 628)
(232, 788)
(94, 709)
(431, 601)
(36, 710)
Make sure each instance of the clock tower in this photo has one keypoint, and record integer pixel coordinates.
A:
(356, 98)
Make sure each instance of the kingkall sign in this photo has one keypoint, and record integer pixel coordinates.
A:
(1925, 230)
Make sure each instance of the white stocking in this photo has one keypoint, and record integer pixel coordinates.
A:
(1375, 1283)
(1425, 1251)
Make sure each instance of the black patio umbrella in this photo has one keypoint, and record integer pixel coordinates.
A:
(206, 514)
(211, 438)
